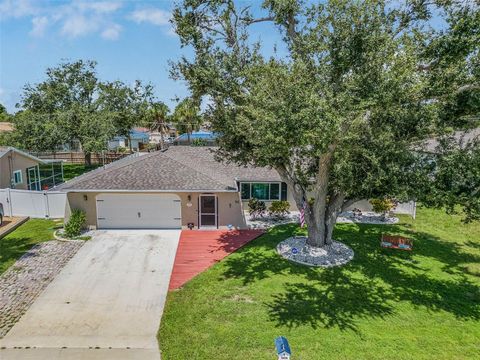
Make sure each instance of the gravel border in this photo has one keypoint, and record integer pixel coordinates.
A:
(57, 234)
(367, 217)
(23, 282)
(296, 249)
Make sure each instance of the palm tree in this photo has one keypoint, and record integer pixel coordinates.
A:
(187, 116)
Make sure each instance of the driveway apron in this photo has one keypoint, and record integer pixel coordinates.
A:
(106, 303)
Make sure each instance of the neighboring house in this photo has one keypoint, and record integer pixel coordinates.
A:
(172, 131)
(20, 170)
(177, 188)
(136, 141)
(207, 136)
(461, 138)
(156, 137)
(6, 127)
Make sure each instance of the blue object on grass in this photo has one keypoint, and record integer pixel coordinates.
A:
(283, 348)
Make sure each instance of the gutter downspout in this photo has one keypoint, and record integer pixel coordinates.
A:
(10, 168)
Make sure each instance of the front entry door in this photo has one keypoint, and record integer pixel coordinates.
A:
(208, 211)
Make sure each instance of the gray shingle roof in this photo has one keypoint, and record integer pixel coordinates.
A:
(178, 168)
(3, 151)
(6, 149)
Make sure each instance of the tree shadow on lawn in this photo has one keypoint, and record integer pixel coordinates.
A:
(369, 286)
(12, 249)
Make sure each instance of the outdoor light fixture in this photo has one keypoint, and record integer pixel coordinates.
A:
(85, 197)
(189, 198)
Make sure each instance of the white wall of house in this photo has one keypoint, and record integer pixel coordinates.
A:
(122, 143)
(156, 137)
(115, 144)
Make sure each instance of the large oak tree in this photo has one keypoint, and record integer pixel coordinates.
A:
(361, 83)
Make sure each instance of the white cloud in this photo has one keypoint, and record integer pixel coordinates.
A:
(153, 16)
(84, 18)
(112, 32)
(77, 18)
(78, 25)
(39, 25)
(17, 9)
(100, 6)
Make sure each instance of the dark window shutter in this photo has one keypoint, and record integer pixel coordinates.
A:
(284, 192)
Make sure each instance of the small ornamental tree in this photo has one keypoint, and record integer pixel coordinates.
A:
(382, 206)
(338, 110)
(75, 224)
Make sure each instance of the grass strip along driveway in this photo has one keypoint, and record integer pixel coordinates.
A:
(385, 304)
(18, 242)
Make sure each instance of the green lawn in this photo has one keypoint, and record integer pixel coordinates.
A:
(385, 304)
(72, 170)
(15, 244)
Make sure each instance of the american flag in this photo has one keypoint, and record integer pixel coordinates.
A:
(302, 213)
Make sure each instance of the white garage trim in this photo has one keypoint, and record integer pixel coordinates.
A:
(138, 211)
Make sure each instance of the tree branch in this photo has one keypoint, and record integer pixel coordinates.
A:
(348, 203)
(254, 21)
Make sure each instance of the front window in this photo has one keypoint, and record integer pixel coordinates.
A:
(260, 191)
(245, 189)
(17, 177)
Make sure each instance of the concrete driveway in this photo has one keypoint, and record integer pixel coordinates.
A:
(106, 303)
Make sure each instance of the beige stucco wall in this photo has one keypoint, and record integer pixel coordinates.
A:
(18, 162)
(229, 207)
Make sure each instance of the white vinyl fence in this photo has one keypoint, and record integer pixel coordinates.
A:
(36, 204)
(409, 208)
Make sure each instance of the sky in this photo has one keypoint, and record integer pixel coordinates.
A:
(129, 39)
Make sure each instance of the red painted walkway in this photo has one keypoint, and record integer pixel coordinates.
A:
(200, 249)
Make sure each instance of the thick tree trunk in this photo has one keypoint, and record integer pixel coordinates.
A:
(323, 205)
(88, 159)
(320, 225)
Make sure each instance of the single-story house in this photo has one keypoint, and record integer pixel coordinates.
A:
(182, 187)
(20, 170)
(156, 136)
(461, 138)
(135, 141)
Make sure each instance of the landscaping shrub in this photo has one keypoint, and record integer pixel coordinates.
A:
(75, 224)
(382, 206)
(279, 208)
(256, 207)
(199, 142)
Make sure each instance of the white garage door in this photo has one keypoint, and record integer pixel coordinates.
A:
(138, 211)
